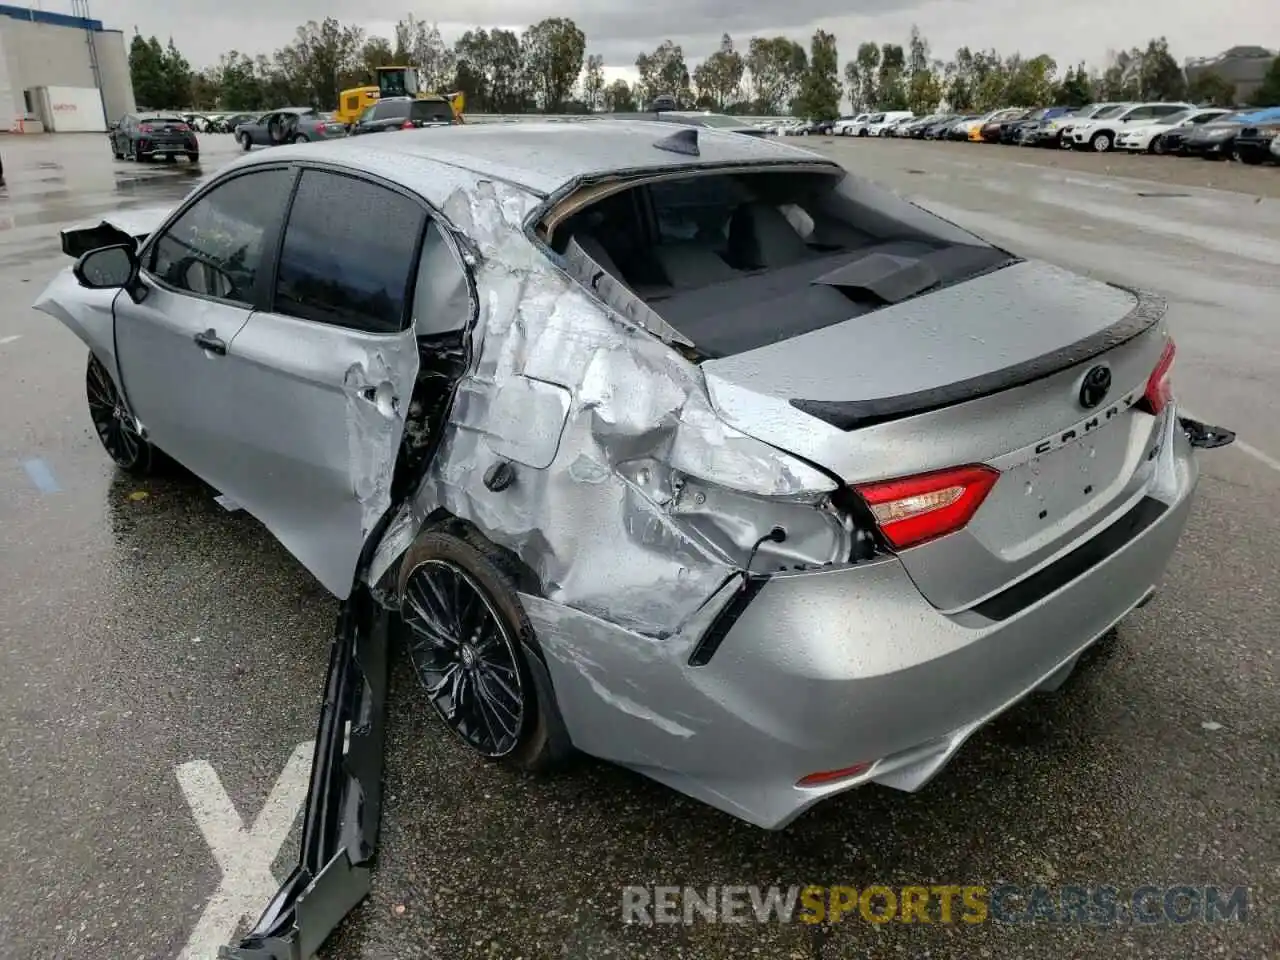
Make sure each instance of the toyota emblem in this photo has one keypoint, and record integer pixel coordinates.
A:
(1095, 386)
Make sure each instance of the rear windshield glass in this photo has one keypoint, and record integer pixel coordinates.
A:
(431, 111)
(737, 261)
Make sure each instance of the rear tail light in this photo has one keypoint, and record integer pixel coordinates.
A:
(319, 128)
(407, 125)
(912, 510)
(1159, 390)
(145, 128)
(181, 128)
(831, 776)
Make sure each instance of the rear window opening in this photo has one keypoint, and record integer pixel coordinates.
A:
(733, 261)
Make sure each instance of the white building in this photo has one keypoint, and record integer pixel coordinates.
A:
(53, 67)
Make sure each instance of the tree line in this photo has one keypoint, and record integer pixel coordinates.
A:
(546, 68)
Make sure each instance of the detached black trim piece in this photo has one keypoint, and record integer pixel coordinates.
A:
(1204, 436)
(720, 627)
(853, 414)
(1075, 564)
(344, 800)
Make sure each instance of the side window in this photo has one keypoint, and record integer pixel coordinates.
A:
(442, 297)
(1140, 113)
(368, 113)
(348, 254)
(353, 103)
(388, 111)
(215, 248)
(1166, 111)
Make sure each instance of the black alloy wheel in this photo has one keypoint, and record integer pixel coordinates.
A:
(465, 657)
(114, 422)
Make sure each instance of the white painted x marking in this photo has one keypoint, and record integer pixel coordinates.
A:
(244, 856)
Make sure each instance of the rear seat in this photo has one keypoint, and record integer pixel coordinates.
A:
(690, 265)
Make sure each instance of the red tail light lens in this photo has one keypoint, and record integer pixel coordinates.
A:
(144, 128)
(319, 128)
(915, 509)
(181, 127)
(407, 125)
(1159, 390)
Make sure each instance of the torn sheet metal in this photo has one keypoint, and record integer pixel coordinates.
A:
(614, 293)
(567, 391)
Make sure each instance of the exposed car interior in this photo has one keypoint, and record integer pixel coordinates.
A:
(735, 261)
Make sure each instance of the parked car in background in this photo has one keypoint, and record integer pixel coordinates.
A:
(851, 127)
(1025, 132)
(876, 128)
(1216, 140)
(1254, 141)
(148, 136)
(1060, 129)
(915, 127)
(990, 132)
(228, 122)
(941, 129)
(402, 113)
(963, 129)
(838, 125)
(1149, 137)
(1099, 133)
(1275, 150)
(288, 125)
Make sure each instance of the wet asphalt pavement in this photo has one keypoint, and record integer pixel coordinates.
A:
(145, 628)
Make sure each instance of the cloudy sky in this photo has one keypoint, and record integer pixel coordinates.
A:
(619, 29)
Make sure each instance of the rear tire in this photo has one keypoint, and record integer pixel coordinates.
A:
(193, 158)
(468, 639)
(245, 142)
(302, 138)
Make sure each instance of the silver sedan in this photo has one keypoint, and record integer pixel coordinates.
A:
(686, 450)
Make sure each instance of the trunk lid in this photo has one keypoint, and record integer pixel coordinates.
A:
(990, 371)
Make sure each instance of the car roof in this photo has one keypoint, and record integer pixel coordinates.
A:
(542, 157)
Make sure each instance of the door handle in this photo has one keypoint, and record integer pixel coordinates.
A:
(209, 340)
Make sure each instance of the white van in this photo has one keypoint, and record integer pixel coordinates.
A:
(887, 119)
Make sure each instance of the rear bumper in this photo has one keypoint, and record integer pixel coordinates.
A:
(827, 669)
(147, 146)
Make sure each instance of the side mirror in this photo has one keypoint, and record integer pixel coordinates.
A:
(107, 268)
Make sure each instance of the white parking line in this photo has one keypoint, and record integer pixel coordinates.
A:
(244, 856)
(1264, 458)
(4, 340)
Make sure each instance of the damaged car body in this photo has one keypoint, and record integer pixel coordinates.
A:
(694, 453)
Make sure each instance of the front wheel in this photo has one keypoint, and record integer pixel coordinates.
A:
(1252, 159)
(1157, 146)
(115, 423)
(301, 138)
(1100, 142)
(468, 638)
(245, 142)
